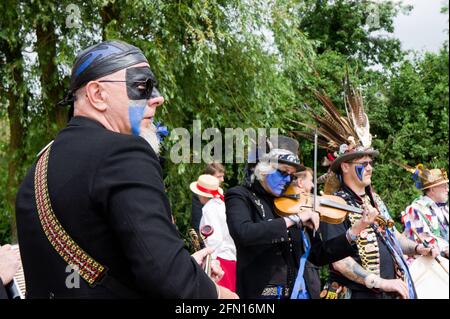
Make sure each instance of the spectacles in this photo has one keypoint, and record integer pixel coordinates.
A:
(364, 163)
(146, 86)
(285, 174)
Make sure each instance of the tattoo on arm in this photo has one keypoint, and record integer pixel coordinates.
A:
(351, 269)
(408, 246)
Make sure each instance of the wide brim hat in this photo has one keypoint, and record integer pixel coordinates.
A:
(425, 178)
(347, 157)
(206, 185)
(437, 177)
(435, 184)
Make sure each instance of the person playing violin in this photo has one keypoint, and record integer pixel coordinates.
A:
(272, 250)
(376, 267)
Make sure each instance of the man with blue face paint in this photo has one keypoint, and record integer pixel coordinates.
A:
(95, 198)
(376, 268)
(271, 250)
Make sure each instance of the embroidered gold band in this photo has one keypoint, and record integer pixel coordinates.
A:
(90, 270)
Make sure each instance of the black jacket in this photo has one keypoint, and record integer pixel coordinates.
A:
(268, 252)
(387, 263)
(107, 191)
(3, 294)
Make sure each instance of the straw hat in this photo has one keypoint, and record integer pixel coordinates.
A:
(426, 178)
(436, 177)
(207, 186)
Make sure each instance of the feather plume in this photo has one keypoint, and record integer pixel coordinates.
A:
(406, 167)
(332, 184)
(335, 129)
(355, 110)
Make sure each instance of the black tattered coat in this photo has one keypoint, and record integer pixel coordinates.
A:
(266, 249)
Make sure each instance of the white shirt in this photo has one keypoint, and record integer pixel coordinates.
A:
(220, 240)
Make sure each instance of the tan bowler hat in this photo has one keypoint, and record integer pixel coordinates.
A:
(207, 186)
(433, 177)
(426, 178)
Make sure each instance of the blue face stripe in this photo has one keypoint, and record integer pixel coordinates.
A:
(136, 112)
(103, 52)
(359, 171)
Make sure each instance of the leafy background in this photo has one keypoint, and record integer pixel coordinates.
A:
(233, 63)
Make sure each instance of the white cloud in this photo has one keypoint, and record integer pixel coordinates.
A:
(424, 28)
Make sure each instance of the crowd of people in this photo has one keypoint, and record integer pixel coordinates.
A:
(94, 203)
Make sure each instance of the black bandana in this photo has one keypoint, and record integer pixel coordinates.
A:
(100, 60)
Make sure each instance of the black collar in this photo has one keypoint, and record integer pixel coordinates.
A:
(257, 188)
(358, 199)
(84, 121)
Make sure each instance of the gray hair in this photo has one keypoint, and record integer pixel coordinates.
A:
(268, 163)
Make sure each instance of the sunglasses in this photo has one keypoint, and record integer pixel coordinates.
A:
(145, 86)
(285, 174)
(363, 163)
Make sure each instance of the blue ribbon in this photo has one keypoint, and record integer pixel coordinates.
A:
(161, 131)
(299, 291)
(397, 252)
(416, 178)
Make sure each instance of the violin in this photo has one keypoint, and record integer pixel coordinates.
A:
(332, 209)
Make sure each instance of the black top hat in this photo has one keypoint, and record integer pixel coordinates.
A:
(284, 150)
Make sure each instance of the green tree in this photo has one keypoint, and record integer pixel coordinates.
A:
(355, 28)
(409, 116)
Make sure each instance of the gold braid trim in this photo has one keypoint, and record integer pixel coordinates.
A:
(367, 245)
(90, 270)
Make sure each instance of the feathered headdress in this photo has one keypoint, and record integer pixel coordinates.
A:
(344, 137)
(425, 178)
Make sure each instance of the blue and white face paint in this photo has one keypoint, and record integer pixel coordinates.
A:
(136, 110)
(359, 169)
(141, 86)
(277, 182)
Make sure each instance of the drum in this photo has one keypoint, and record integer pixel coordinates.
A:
(430, 279)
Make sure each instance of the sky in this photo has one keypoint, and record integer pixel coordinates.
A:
(424, 28)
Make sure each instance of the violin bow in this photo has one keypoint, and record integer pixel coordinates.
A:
(425, 244)
(315, 174)
(315, 169)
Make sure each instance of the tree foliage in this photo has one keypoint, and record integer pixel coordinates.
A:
(234, 63)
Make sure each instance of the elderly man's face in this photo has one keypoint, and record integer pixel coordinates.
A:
(439, 193)
(277, 181)
(131, 108)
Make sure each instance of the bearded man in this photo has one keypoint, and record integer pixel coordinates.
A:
(94, 204)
